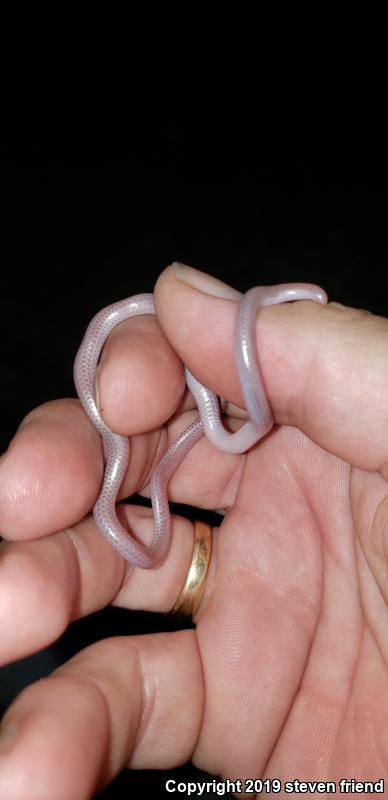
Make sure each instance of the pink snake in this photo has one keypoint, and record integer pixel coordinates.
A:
(116, 448)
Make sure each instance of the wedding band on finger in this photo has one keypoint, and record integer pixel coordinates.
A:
(191, 595)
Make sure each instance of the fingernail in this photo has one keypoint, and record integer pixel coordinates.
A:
(336, 305)
(205, 283)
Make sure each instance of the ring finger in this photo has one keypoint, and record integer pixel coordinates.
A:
(49, 582)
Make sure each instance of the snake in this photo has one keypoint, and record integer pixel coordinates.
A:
(210, 407)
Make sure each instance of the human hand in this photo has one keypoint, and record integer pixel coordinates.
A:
(285, 674)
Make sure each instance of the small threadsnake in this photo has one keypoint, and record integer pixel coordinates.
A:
(116, 447)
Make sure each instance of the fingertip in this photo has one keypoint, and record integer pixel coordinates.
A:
(178, 275)
(38, 590)
(50, 474)
(140, 378)
(164, 278)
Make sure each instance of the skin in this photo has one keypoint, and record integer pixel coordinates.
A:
(116, 447)
(286, 673)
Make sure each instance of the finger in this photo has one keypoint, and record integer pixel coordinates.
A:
(47, 583)
(140, 377)
(207, 477)
(325, 368)
(52, 470)
(133, 701)
(51, 475)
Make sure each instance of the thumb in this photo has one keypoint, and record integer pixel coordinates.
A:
(325, 368)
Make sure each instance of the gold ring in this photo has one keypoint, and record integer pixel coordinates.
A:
(191, 595)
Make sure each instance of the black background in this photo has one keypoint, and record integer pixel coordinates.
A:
(276, 173)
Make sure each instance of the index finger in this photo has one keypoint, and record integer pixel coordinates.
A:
(50, 475)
